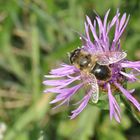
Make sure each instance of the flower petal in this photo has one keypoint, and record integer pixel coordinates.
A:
(130, 64)
(93, 30)
(83, 104)
(129, 96)
(130, 76)
(114, 107)
(66, 93)
(64, 70)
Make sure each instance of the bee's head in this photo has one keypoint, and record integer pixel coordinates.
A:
(74, 55)
(80, 58)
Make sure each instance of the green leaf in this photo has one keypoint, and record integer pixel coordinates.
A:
(84, 124)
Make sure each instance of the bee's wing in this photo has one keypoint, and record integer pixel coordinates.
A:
(111, 57)
(91, 85)
(103, 60)
(116, 57)
(94, 88)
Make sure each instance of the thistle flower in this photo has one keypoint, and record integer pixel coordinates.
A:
(97, 66)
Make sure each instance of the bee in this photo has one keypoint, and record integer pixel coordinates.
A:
(95, 67)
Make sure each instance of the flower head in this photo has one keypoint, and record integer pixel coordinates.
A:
(97, 66)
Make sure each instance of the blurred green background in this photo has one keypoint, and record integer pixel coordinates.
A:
(35, 36)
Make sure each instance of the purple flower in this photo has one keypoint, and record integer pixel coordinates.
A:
(97, 66)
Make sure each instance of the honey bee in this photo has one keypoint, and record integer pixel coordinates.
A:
(95, 67)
